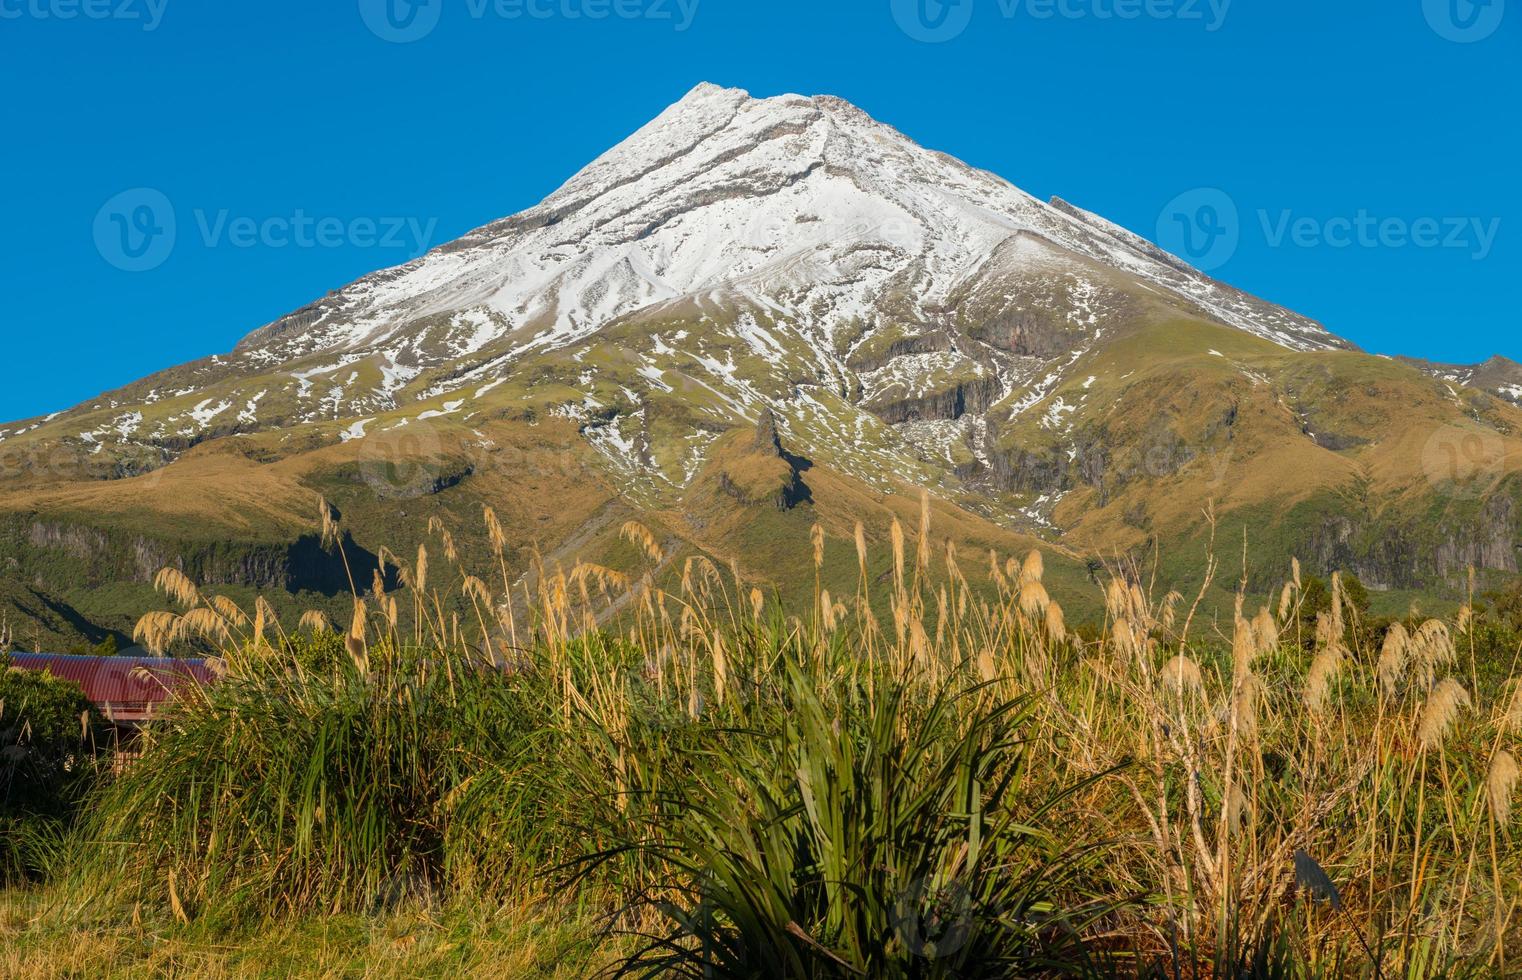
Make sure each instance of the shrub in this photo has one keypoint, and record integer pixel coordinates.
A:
(867, 835)
(304, 783)
(48, 737)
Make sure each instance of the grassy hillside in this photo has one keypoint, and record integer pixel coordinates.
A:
(1156, 435)
(242, 513)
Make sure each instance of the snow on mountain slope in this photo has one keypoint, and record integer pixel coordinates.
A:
(889, 299)
(1499, 376)
(722, 189)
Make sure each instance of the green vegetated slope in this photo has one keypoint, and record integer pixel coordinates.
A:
(1188, 432)
(1169, 438)
(897, 322)
(246, 522)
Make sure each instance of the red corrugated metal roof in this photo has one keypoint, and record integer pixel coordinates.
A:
(125, 689)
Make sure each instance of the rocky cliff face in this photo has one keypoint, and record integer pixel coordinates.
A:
(1488, 539)
(58, 556)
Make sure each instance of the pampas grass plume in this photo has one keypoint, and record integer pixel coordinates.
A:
(1440, 711)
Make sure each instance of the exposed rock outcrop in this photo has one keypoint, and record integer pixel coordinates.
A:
(766, 474)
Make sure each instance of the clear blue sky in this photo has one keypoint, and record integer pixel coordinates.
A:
(1299, 110)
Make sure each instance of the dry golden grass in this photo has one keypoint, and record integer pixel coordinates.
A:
(1169, 375)
(1215, 760)
(538, 939)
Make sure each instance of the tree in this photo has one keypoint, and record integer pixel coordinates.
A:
(1316, 598)
(49, 737)
(105, 648)
(1357, 594)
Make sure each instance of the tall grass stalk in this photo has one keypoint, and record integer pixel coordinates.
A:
(931, 776)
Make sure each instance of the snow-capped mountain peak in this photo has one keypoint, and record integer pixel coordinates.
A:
(788, 253)
(722, 191)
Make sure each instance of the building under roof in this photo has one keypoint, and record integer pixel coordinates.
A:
(126, 690)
